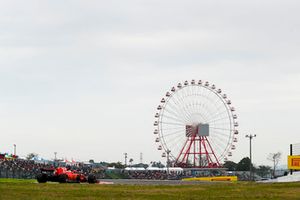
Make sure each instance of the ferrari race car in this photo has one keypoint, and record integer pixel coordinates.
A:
(64, 175)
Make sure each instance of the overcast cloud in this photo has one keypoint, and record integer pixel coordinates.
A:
(83, 78)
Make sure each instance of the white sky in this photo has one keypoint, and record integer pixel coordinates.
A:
(84, 78)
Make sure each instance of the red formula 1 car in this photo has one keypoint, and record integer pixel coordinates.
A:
(64, 175)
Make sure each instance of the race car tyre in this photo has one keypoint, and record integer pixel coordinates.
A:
(78, 179)
(42, 178)
(92, 178)
(62, 178)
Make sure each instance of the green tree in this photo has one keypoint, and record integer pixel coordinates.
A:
(130, 161)
(244, 165)
(263, 170)
(141, 165)
(91, 161)
(156, 164)
(231, 166)
(31, 155)
(118, 165)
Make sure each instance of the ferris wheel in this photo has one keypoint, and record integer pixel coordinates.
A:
(195, 125)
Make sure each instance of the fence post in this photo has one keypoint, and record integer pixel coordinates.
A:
(291, 153)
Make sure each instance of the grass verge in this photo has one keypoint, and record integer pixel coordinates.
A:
(29, 189)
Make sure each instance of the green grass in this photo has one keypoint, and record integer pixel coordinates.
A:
(11, 180)
(29, 189)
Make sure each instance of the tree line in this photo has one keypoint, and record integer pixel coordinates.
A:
(261, 170)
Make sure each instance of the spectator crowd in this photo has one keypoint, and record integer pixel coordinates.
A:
(21, 168)
(153, 174)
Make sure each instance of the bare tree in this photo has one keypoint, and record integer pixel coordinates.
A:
(275, 158)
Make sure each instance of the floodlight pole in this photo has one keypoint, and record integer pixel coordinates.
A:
(168, 162)
(250, 140)
(15, 149)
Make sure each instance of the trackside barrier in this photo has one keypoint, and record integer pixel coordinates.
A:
(212, 178)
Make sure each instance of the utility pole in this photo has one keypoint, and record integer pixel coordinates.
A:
(250, 141)
(141, 158)
(168, 162)
(125, 155)
(291, 153)
(15, 149)
(55, 153)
